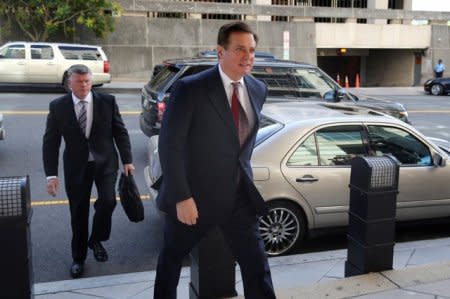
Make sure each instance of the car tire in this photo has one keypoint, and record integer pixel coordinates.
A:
(437, 89)
(282, 228)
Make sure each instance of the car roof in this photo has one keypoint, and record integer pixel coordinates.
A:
(56, 44)
(290, 112)
(268, 62)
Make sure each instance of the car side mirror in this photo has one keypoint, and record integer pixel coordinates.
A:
(331, 96)
(335, 96)
(438, 160)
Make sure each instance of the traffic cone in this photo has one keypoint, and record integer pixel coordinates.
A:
(346, 82)
(338, 79)
(357, 85)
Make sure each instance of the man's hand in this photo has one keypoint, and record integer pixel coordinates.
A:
(128, 169)
(52, 186)
(187, 212)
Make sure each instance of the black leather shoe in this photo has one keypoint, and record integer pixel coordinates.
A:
(100, 253)
(76, 270)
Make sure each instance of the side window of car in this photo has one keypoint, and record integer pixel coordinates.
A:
(399, 143)
(305, 154)
(41, 52)
(330, 146)
(15, 51)
(337, 145)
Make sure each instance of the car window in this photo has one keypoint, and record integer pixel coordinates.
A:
(401, 144)
(160, 81)
(14, 51)
(306, 154)
(80, 53)
(41, 52)
(294, 82)
(163, 76)
(330, 146)
(267, 127)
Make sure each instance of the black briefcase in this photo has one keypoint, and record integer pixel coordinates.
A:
(130, 198)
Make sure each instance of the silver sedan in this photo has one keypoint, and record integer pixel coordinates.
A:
(301, 166)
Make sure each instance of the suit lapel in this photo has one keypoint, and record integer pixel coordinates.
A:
(252, 93)
(70, 110)
(95, 111)
(219, 100)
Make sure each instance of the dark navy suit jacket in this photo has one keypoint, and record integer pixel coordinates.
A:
(199, 147)
(107, 132)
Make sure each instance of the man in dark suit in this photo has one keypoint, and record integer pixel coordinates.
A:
(205, 145)
(91, 126)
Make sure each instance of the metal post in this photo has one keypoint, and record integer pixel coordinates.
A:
(372, 210)
(16, 275)
(212, 268)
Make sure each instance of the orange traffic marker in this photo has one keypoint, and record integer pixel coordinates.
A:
(338, 79)
(346, 82)
(357, 84)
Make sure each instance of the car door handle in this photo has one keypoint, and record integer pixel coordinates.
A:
(51, 63)
(306, 178)
(21, 63)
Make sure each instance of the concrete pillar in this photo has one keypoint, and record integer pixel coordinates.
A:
(377, 4)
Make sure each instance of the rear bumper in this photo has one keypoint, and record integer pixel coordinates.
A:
(101, 78)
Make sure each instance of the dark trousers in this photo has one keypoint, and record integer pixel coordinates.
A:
(241, 233)
(79, 201)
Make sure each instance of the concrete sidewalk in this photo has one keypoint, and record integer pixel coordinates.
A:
(421, 270)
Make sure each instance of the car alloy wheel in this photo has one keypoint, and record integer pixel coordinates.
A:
(436, 89)
(282, 228)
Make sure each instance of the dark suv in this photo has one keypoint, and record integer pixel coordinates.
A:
(286, 81)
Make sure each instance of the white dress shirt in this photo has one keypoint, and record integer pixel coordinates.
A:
(243, 96)
(89, 110)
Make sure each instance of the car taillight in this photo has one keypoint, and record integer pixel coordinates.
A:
(106, 66)
(161, 106)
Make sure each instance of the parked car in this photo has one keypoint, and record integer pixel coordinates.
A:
(211, 54)
(437, 86)
(25, 63)
(2, 130)
(286, 81)
(301, 166)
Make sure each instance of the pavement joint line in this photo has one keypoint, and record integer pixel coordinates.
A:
(36, 203)
(40, 112)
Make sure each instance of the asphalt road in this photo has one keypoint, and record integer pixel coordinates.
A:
(133, 247)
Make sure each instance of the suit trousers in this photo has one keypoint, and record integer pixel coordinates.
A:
(242, 235)
(79, 201)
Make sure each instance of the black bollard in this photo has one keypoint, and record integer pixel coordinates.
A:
(212, 268)
(16, 273)
(372, 210)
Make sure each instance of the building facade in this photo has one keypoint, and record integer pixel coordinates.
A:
(383, 42)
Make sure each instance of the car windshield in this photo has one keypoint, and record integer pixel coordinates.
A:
(294, 82)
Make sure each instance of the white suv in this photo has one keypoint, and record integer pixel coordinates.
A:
(47, 63)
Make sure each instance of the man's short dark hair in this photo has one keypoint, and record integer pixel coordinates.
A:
(226, 30)
(79, 69)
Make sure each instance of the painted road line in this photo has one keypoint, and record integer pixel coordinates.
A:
(56, 202)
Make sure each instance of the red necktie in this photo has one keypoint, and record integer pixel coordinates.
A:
(239, 116)
(235, 104)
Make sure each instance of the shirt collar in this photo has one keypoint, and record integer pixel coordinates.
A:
(76, 100)
(226, 80)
